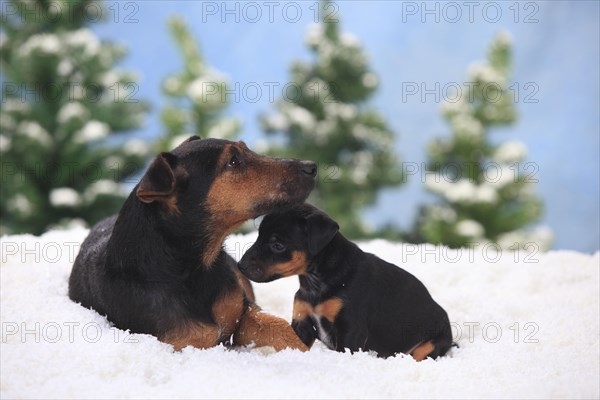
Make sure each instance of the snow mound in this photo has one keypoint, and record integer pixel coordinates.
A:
(527, 326)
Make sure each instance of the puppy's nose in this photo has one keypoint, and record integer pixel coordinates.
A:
(309, 168)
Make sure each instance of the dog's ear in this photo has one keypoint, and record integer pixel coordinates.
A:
(190, 139)
(321, 229)
(158, 183)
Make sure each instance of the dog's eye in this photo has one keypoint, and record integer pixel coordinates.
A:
(234, 162)
(277, 247)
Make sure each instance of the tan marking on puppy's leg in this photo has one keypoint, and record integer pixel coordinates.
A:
(296, 266)
(246, 285)
(227, 312)
(302, 310)
(264, 329)
(329, 308)
(422, 351)
(194, 334)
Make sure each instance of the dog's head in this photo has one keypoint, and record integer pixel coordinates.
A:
(220, 184)
(287, 243)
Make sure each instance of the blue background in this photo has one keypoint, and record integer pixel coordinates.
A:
(556, 49)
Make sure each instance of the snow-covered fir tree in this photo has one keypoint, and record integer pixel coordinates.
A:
(324, 117)
(62, 98)
(485, 190)
(197, 95)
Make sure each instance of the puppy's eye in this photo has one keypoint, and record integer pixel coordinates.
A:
(277, 247)
(233, 162)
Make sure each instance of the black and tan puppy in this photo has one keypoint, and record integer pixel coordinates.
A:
(347, 298)
(158, 267)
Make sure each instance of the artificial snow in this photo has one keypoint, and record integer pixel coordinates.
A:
(208, 88)
(484, 72)
(314, 35)
(300, 116)
(65, 67)
(510, 152)
(102, 186)
(5, 141)
(224, 129)
(370, 80)
(527, 325)
(16, 105)
(71, 111)
(343, 111)
(464, 190)
(35, 132)
(349, 40)
(541, 236)
(83, 38)
(20, 203)
(110, 78)
(468, 126)
(64, 197)
(43, 42)
(136, 147)
(92, 131)
(469, 228)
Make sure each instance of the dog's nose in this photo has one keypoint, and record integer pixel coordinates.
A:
(309, 168)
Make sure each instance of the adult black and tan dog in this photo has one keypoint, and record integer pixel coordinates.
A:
(158, 267)
(347, 298)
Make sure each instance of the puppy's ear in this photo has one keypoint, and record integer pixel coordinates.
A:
(158, 183)
(321, 229)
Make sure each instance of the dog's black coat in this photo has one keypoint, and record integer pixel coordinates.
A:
(347, 298)
(141, 285)
(144, 269)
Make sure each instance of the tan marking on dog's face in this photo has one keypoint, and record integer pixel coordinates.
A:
(302, 310)
(227, 311)
(296, 266)
(235, 193)
(422, 351)
(171, 205)
(192, 333)
(329, 308)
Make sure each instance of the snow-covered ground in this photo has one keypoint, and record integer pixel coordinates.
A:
(527, 326)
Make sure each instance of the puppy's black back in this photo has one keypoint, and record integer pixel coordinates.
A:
(402, 313)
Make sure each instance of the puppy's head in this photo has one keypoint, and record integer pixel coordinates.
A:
(211, 186)
(287, 243)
